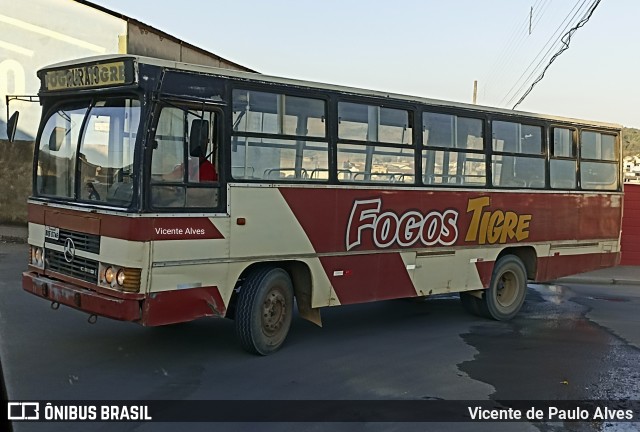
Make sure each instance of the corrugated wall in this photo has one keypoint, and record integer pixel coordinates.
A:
(630, 243)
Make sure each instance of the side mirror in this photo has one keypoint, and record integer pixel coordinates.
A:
(12, 126)
(198, 138)
(56, 138)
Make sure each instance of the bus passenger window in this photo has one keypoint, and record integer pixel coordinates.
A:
(563, 174)
(518, 160)
(598, 161)
(377, 164)
(562, 166)
(455, 150)
(278, 137)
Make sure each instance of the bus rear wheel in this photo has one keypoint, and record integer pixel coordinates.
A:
(264, 310)
(507, 290)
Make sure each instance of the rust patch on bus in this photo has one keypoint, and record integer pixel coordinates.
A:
(82, 299)
(170, 307)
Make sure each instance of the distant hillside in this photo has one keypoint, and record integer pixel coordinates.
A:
(630, 142)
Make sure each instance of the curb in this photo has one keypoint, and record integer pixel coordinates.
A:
(12, 239)
(597, 281)
(14, 233)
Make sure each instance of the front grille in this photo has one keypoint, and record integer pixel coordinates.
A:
(81, 268)
(82, 241)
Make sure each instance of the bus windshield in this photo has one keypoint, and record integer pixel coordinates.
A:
(85, 151)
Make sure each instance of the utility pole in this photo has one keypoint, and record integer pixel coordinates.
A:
(475, 92)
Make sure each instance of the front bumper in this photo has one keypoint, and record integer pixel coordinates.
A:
(161, 308)
(83, 299)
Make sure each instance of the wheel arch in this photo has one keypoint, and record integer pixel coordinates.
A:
(526, 254)
(300, 275)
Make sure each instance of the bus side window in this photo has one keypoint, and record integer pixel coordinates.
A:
(518, 158)
(598, 160)
(562, 165)
(454, 152)
(278, 137)
(183, 171)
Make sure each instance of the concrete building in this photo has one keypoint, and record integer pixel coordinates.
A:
(36, 33)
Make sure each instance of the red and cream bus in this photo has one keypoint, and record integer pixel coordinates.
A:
(165, 192)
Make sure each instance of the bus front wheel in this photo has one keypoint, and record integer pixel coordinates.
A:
(264, 310)
(507, 290)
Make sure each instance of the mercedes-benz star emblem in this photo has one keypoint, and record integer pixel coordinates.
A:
(69, 250)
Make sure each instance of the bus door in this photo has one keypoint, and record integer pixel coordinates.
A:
(191, 224)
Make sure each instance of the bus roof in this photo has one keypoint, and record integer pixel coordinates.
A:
(253, 76)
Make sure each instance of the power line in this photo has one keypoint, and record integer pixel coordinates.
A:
(501, 67)
(566, 40)
(514, 41)
(566, 22)
(537, 20)
(549, 45)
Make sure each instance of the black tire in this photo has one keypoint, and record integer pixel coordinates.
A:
(507, 290)
(264, 310)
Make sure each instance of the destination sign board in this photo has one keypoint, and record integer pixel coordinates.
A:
(88, 76)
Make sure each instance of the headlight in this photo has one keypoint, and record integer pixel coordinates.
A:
(36, 256)
(122, 278)
(109, 274)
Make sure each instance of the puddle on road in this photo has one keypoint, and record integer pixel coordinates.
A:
(552, 352)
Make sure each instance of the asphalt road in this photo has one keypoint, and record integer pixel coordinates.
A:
(568, 343)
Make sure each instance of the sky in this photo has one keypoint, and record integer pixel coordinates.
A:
(427, 48)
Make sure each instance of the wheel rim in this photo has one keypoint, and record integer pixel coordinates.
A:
(507, 289)
(274, 312)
